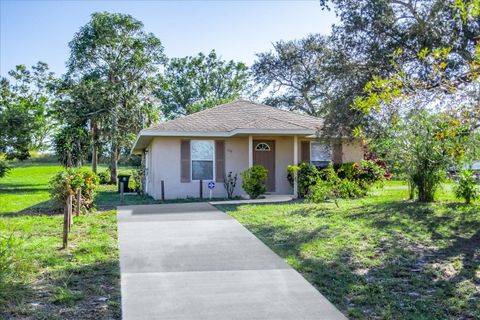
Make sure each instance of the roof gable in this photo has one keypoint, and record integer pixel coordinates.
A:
(239, 114)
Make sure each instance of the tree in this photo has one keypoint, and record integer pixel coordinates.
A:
(114, 48)
(431, 112)
(25, 108)
(71, 145)
(191, 84)
(313, 76)
(83, 104)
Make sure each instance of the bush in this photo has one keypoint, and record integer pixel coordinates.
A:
(136, 180)
(307, 176)
(349, 171)
(370, 173)
(67, 182)
(319, 192)
(4, 168)
(104, 176)
(350, 189)
(254, 181)
(467, 187)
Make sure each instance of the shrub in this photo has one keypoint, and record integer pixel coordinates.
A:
(67, 182)
(319, 192)
(467, 187)
(370, 173)
(350, 189)
(230, 183)
(136, 180)
(254, 181)
(104, 176)
(4, 168)
(349, 171)
(307, 176)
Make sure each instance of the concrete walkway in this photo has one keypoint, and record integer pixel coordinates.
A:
(268, 198)
(191, 261)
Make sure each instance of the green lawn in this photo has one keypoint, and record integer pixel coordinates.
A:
(37, 279)
(380, 257)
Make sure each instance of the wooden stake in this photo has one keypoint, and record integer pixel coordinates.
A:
(65, 227)
(122, 196)
(79, 202)
(69, 211)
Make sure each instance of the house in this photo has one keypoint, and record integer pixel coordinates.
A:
(230, 138)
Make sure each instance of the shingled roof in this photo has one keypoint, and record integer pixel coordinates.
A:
(239, 114)
(231, 119)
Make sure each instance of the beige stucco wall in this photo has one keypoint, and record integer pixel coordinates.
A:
(352, 151)
(164, 164)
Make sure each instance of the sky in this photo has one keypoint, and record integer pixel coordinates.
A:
(32, 31)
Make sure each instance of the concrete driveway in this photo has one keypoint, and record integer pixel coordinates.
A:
(191, 261)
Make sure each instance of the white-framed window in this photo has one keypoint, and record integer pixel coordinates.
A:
(262, 146)
(320, 154)
(202, 156)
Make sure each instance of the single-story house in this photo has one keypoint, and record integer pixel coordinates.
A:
(231, 137)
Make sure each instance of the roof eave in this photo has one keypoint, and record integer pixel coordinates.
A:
(140, 142)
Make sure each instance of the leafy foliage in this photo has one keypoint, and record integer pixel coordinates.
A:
(71, 146)
(313, 76)
(4, 168)
(467, 187)
(25, 110)
(424, 146)
(68, 182)
(192, 84)
(307, 175)
(123, 60)
(254, 181)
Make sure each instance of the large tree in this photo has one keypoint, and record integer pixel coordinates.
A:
(25, 109)
(361, 47)
(313, 76)
(114, 48)
(191, 84)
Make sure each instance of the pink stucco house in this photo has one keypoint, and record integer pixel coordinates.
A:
(230, 138)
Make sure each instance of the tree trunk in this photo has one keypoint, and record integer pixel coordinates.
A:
(113, 164)
(94, 146)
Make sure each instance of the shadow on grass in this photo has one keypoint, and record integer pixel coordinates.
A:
(403, 277)
(89, 291)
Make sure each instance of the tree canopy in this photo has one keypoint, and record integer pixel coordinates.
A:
(114, 49)
(191, 84)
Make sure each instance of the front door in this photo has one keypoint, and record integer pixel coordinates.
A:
(264, 154)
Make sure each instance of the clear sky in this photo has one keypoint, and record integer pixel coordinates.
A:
(40, 30)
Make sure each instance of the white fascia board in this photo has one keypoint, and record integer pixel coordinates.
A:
(217, 134)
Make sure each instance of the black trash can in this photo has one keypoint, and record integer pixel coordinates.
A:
(124, 179)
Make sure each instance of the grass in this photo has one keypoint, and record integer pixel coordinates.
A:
(380, 257)
(37, 279)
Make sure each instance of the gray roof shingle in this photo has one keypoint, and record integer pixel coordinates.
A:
(239, 114)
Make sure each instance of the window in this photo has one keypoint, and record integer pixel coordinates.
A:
(262, 146)
(202, 153)
(320, 154)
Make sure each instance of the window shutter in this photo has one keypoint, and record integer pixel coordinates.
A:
(185, 161)
(305, 151)
(219, 160)
(337, 152)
